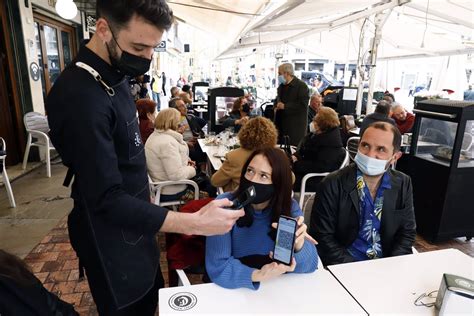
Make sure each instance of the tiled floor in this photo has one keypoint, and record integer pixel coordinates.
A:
(40, 220)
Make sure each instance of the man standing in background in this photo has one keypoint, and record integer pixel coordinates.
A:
(291, 117)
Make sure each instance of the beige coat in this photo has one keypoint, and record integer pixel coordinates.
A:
(167, 157)
(228, 176)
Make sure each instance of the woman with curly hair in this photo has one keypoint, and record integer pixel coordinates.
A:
(239, 114)
(257, 133)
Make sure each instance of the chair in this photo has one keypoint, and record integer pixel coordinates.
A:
(182, 278)
(352, 146)
(156, 187)
(3, 171)
(308, 176)
(37, 127)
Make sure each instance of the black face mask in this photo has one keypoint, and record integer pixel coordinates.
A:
(129, 64)
(246, 108)
(264, 192)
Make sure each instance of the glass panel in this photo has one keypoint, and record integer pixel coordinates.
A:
(466, 159)
(40, 57)
(51, 38)
(436, 140)
(66, 42)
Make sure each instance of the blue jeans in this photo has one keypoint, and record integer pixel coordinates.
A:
(156, 98)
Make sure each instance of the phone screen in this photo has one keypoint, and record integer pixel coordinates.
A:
(285, 240)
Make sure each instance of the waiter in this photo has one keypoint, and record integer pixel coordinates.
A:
(94, 127)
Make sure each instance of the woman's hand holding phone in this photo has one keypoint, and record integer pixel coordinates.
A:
(300, 234)
(272, 270)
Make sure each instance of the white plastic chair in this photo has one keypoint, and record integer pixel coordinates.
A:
(37, 127)
(353, 146)
(182, 278)
(156, 187)
(308, 176)
(6, 181)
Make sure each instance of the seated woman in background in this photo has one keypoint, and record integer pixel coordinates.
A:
(241, 257)
(258, 133)
(239, 114)
(167, 155)
(146, 115)
(319, 151)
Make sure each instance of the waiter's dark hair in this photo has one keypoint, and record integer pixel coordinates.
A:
(119, 12)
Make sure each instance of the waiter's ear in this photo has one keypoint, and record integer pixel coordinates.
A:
(102, 30)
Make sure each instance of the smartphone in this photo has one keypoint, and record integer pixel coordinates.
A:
(244, 198)
(285, 240)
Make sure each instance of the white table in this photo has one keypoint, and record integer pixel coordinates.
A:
(200, 111)
(291, 294)
(210, 151)
(391, 285)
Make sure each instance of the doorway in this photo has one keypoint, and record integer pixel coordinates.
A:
(56, 48)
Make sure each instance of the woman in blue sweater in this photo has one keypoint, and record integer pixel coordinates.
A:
(242, 257)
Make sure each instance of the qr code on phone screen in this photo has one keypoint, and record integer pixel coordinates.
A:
(285, 239)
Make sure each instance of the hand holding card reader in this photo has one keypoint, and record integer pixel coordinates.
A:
(285, 240)
(245, 198)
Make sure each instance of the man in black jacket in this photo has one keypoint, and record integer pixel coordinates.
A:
(365, 211)
(94, 127)
(381, 114)
(291, 117)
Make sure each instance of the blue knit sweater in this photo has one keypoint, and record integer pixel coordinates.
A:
(222, 251)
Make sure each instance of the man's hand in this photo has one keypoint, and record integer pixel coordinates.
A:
(294, 158)
(272, 270)
(280, 106)
(213, 219)
(191, 163)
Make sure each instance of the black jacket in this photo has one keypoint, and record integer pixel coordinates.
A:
(293, 120)
(31, 300)
(374, 117)
(335, 216)
(113, 225)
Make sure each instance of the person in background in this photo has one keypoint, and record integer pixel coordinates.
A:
(21, 293)
(156, 85)
(291, 117)
(186, 94)
(146, 116)
(242, 258)
(163, 80)
(315, 102)
(404, 120)
(175, 91)
(387, 96)
(321, 150)
(167, 155)
(258, 133)
(239, 114)
(468, 94)
(365, 210)
(381, 114)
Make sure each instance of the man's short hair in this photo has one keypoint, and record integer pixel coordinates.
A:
(288, 68)
(186, 88)
(119, 12)
(316, 94)
(172, 102)
(383, 107)
(173, 90)
(396, 105)
(384, 126)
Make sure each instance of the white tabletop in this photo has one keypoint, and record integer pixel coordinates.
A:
(211, 152)
(291, 294)
(391, 285)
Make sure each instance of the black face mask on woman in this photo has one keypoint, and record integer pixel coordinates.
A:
(263, 192)
(129, 64)
(246, 108)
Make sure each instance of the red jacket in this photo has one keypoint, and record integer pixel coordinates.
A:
(406, 125)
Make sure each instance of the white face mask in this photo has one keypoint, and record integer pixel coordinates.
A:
(312, 129)
(370, 166)
(281, 79)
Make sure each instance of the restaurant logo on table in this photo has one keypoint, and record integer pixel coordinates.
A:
(182, 301)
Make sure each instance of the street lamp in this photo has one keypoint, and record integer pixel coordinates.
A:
(66, 9)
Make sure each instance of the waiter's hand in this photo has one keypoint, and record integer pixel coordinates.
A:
(213, 219)
(280, 106)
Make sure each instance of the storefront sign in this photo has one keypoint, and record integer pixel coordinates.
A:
(34, 71)
(161, 47)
